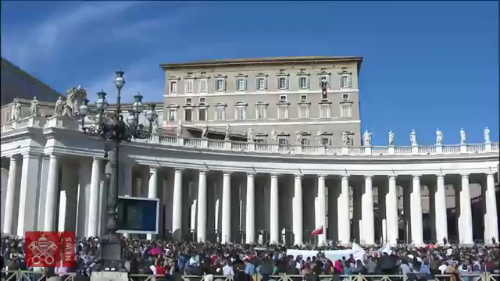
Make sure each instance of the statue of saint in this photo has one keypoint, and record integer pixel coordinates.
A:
(345, 139)
(463, 136)
(274, 135)
(367, 138)
(58, 111)
(298, 137)
(228, 132)
(17, 111)
(250, 134)
(204, 131)
(391, 138)
(76, 96)
(178, 130)
(439, 137)
(34, 107)
(413, 138)
(487, 135)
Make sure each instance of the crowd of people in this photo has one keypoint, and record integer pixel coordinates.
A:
(172, 259)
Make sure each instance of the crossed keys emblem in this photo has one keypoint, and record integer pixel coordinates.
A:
(43, 248)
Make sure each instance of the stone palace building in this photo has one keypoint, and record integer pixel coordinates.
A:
(252, 150)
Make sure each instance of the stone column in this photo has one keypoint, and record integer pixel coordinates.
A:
(83, 198)
(127, 178)
(465, 233)
(250, 210)
(298, 226)
(491, 209)
(343, 212)
(10, 196)
(274, 232)
(391, 208)
(30, 179)
(95, 182)
(368, 225)
(52, 188)
(226, 208)
(177, 206)
(153, 190)
(440, 210)
(417, 230)
(201, 227)
(322, 209)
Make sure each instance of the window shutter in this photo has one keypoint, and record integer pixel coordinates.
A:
(349, 81)
(245, 84)
(215, 85)
(265, 84)
(287, 83)
(307, 82)
(224, 85)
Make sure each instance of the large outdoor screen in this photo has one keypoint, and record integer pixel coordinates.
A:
(137, 215)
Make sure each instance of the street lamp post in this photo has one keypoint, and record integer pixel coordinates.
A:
(114, 129)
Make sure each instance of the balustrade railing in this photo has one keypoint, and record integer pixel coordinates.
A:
(254, 147)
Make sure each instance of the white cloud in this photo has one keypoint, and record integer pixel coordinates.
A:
(43, 41)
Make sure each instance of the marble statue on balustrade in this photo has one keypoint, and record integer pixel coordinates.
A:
(250, 134)
(298, 137)
(463, 136)
(319, 136)
(204, 131)
(68, 110)
(155, 125)
(227, 135)
(59, 108)
(178, 130)
(367, 138)
(391, 138)
(34, 107)
(487, 135)
(439, 137)
(76, 96)
(17, 111)
(413, 138)
(345, 139)
(274, 135)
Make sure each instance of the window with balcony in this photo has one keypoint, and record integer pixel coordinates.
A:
(345, 110)
(324, 110)
(240, 111)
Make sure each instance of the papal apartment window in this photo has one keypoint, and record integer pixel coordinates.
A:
(345, 81)
(282, 111)
(324, 111)
(240, 84)
(282, 83)
(261, 83)
(173, 86)
(189, 86)
(303, 85)
(304, 111)
(261, 112)
(203, 86)
(220, 113)
(202, 114)
(240, 112)
(220, 85)
(188, 114)
(345, 110)
(323, 79)
(172, 115)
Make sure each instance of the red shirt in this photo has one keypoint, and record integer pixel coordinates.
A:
(160, 270)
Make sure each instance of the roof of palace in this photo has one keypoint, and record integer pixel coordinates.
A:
(264, 61)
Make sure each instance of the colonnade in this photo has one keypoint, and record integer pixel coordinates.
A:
(41, 186)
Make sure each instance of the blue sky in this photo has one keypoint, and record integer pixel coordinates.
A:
(427, 65)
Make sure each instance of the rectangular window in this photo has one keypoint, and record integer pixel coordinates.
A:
(324, 111)
(189, 86)
(240, 84)
(220, 113)
(282, 83)
(303, 82)
(345, 111)
(188, 114)
(203, 86)
(304, 141)
(303, 98)
(202, 114)
(189, 101)
(261, 84)
(172, 115)
(261, 112)
(202, 100)
(344, 82)
(220, 85)
(240, 113)
(282, 98)
(173, 86)
(304, 111)
(282, 112)
(283, 141)
(345, 96)
(325, 141)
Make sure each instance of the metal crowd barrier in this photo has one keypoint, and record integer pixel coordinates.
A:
(25, 275)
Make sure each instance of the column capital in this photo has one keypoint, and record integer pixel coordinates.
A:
(202, 172)
(322, 176)
(298, 176)
(490, 173)
(226, 173)
(178, 170)
(416, 176)
(392, 177)
(274, 175)
(153, 169)
(440, 175)
(344, 177)
(368, 177)
(31, 154)
(464, 175)
(251, 174)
